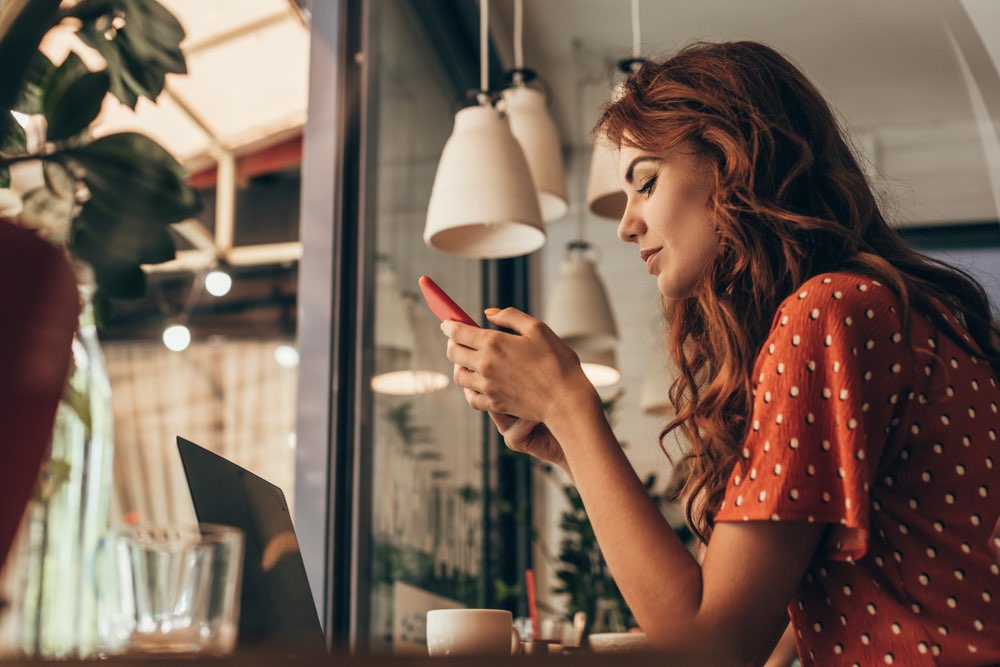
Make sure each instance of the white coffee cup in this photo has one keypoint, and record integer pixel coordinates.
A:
(468, 632)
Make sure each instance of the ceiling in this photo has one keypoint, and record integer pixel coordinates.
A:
(927, 123)
(886, 62)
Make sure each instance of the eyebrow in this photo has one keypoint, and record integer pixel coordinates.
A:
(632, 165)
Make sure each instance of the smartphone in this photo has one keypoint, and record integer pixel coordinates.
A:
(442, 304)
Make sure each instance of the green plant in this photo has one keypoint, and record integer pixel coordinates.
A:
(111, 198)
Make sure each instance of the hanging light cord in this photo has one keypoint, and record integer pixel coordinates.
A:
(518, 34)
(578, 57)
(636, 31)
(484, 38)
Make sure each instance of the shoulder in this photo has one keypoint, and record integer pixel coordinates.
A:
(839, 296)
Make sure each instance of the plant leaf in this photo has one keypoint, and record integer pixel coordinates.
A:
(24, 23)
(133, 175)
(140, 53)
(16, 141)
(73, 98)
(36, 78)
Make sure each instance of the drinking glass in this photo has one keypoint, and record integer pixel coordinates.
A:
(165, 590)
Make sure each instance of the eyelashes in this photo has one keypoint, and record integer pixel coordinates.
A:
(647, 187)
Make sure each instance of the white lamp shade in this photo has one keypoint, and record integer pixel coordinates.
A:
(419, 370)
(578, 310)
(532, 126)
(483, 202)
(654, 399)
(408, 382)
(393, 329)
(601, 368)
(605, 196)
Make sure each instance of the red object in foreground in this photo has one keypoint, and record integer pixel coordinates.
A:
(529, 580)
(39, 310)
(442, 304)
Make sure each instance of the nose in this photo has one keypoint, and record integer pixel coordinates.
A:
(631, 226)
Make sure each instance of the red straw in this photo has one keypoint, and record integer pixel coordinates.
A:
(529, 580)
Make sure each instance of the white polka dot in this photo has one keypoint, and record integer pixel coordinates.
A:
(814, 313)
(770, 348)
(896, 337)
(838, 294)
(753, 473)
(825, 445)
(794, 494)
(863, 287)
(810, 470)
(777, 468)
(960, 469)
(781, 368)
(784, 320)
(952, 602)
(761, 496)
(836, 367)
(978, 625)
(826, 392)
(793, 392)
(828, 340)
(945, 420)
(826, 497)
(960, 574)
(895, 368)
(796, 339)
(803, 294)
(739, 500)
(843, 394)
(949, 498)
(794, 443)
(811, 365)
(869, 313)
(767, 397)
(848, 321)
(810, 418)
(866, 639)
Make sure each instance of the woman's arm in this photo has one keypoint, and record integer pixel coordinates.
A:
(730, 609)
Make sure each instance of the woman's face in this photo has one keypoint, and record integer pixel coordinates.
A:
(667, 216)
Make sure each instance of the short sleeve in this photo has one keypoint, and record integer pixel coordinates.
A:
(826, 386)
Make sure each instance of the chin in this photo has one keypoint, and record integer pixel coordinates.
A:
(673, 289)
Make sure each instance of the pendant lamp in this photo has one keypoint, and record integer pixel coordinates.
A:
(601, 368)
(605, 196)
(483, 202)
(535, 131)
(417, 372)
(578, 310)
(654, 396)
(403, 365)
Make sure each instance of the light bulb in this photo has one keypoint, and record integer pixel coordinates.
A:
(176, 337)
(218, 283)
(286, 356)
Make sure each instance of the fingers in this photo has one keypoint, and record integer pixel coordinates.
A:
(464, 334)
(512, 318)
(462, 355)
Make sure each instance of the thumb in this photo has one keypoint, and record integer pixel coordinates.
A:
(510, 318)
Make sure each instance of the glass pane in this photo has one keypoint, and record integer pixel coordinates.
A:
(232, 389)
(427, 444)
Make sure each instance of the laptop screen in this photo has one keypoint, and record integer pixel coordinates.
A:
(276, 607)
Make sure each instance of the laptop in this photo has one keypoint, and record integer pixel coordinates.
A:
(276, 604)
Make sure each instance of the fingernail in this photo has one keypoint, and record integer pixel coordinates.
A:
(491, 311)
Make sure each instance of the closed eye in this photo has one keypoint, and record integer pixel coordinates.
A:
(647, 186)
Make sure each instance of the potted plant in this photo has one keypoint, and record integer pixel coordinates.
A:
(105, 203)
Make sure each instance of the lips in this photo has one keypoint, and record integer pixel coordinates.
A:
(648, 255)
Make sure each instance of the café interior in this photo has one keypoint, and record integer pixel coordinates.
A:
(289, 336)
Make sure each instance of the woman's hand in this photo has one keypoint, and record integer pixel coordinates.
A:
(531, 438)
(531, 375)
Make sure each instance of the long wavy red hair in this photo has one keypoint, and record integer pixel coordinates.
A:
(790, 201)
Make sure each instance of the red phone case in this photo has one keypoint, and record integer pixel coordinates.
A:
(442, 304)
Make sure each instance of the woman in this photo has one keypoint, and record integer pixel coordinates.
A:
(838, 391)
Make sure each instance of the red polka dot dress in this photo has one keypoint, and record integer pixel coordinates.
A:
(894, 445)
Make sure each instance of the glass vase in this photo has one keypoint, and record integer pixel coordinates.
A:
(48, 577)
